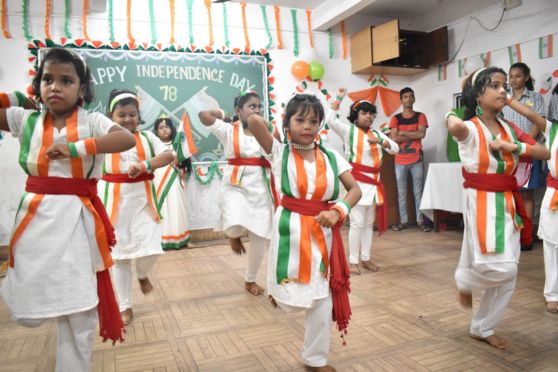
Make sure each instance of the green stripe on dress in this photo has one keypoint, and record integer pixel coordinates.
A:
(285, 185)
(351, 143)
(335, 169)
(284, 248)
(499, 226)
(149, 143)
(28, 130)
(553, 131)
(167, 188)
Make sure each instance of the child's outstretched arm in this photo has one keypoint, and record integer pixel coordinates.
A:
(164, 158)
(117, 139)
(331, 217)
(260, 129)
(13, 99)
(531, 115)
(536, 151)
(208, 117)
(456, 126)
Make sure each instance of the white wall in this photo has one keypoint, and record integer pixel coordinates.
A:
(528, 22)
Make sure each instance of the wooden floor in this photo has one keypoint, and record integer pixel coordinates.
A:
(405, 317)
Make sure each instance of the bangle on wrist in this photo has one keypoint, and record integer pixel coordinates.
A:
(523, 149)
(343, 208)
(146, 166)
(73, 150)
(509, 99)
(448, 114)
(86, 147)
(12, 99)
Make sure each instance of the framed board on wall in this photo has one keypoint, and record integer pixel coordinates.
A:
(175, 83)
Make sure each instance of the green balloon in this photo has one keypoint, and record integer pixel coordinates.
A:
(316, 71)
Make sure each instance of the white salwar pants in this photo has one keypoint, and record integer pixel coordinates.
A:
(317, 330)
(550, 271)
(497, 280)
(256, 251)
(361, 232)
(122, 275)
(75, 339)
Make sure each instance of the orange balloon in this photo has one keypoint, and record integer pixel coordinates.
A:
(300, 69)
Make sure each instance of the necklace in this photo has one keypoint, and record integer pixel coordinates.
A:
(310, 146)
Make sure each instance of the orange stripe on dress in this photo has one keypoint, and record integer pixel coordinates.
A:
(4, 100)
(188, 133)
(141, 157)
(115, 165)
(318, 235)
(484, 159)
(176, 237)
(301, 177)
(31, 210)
(236, 150)
(508, 156)
(360, 140)
(162, 183)
(305, 251)
(482, 196)
(47, 140)
(100, 234)
(321, 176)
(72, 136)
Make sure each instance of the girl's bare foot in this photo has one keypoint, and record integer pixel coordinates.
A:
(190, 245)
(552, 307)
(145, 286)
(465, 299)
(272, 300)
(127, 316)
(493, 340)
(237, 246)
(253, 288)
(354, 269)
(368, 265)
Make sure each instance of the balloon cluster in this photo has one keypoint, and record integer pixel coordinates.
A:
(302, 69)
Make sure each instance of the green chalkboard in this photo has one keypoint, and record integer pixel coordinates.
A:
(175, 82)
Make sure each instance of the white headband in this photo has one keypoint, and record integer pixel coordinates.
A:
(120, 97)
(476, 74)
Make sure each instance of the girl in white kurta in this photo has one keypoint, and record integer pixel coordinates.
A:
(59, 249)
(130, 199)
(364, 149)
(494, 214)
(170, 184)
(246, 199)
(306, 256)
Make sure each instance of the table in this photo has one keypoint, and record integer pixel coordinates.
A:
(443, 190)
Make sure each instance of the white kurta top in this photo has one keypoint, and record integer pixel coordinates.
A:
(548, 222)
(248, 204)
(175, 226)
(138, 234)
(496, 225)
(359, 150)
(293, 293)
(56, 256)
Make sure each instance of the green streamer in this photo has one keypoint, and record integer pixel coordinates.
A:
(212, 170)
(267, 31)
(189, 4)
(67, 32)
(295, 32)
(330, 43)
(25, 15)
(111, 21)
(152, 23)
(226, 26)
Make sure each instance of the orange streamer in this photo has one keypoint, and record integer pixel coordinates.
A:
(210, 21)
(4, 23)
(278, 26)
(85, 13)
(129, 23)
(244, 26)
(171, 3)
(309, 17)
(48, 7)
(344, 39)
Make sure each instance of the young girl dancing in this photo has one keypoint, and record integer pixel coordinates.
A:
(171, 193)
(364, 149)
(307, 268)
(494, 213)
(129, 196)
(246, 197)
(60, 246)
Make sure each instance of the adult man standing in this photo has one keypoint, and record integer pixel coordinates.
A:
(408, 128)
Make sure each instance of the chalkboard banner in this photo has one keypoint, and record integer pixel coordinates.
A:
(172, 83)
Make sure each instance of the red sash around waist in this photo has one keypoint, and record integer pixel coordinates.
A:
(124, 178)
(552, 182)
(110, 321)
(339, 268)
(259, 162)
(500, 183)
(358, 173)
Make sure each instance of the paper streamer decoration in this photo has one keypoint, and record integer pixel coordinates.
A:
(210, 21)
(25, 20)
(111, 21)
(344, 39)
(84, 15)
(309, 18)
(67, 32)
(171, 6)
(131, 39)
(330, 43)
(226, 25)
(189, 4)
(278, 26)
(5, 31)
(267, 31)
(295, 32)
(244, 26)
(152, 23)
(48, 8)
